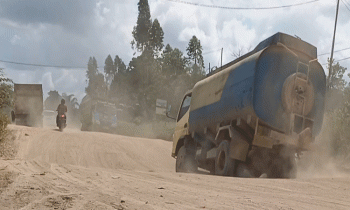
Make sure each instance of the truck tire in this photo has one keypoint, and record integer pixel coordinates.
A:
(224, 165)
(186, 162)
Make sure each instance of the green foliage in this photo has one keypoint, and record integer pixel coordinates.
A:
(92, 68)
(148, 35)
(156, 36)
(154, 74)
(143, 26)
(340, 122)
(145, 82)
(6, 91)
(174, 63)
(6, 100)
(52, 101)
(197, 74)
(120, 80)
(109, 68)
(194, 51)
(71, 101)
(97, 86)
(119, 65)
(335, 80)
(4, 121)
(338, 111)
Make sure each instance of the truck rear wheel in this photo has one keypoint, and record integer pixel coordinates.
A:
(224, 165)
(185, 161)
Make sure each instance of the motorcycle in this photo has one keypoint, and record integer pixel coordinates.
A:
(61, 122)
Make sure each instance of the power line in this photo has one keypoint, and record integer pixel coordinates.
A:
(210, 51)
(346, 2)
(345, 5)
(342, 59)
(43, 65)
(241, 8)
(338, 60)
(334, 51)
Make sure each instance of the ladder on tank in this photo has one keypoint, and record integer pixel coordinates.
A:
(298, 121)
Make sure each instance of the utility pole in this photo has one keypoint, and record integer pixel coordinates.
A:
(331, 59)
(222, 49)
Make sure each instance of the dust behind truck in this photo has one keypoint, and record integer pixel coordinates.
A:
(254, 115)
(28, 100)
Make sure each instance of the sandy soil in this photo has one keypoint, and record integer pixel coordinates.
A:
(88, 170)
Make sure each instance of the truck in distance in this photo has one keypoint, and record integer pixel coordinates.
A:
(28, 104)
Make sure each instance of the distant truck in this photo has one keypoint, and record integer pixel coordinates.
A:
(97, 115)
(256, 114)
(28, 102)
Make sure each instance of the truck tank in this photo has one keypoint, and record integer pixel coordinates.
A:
(280, 83)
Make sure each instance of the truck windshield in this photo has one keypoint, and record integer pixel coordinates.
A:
(185, 106)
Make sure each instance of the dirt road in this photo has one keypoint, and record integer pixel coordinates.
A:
(88, 170)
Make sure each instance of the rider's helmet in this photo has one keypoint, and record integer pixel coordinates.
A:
(63, 101)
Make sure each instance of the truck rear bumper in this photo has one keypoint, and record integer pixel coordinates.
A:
(301, 141)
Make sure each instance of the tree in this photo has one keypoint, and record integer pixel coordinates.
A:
(52, 101)
(143, 26)
(145, 82)
(156, 36)
(335, 87)
(240, 51)
(194, 51)
(120, 81)
(96, 83)
(197, 73)
(119, 65)
(174, 62)
(335, 80)
(109, 69)
(6, 91)
(92, 68)
(6, 102)
(338, 111)
(71, 101)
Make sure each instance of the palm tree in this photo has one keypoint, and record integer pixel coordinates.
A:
(71, 101)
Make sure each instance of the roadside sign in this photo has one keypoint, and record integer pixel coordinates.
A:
(161, 106)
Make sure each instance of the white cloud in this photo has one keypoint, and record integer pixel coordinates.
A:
(105, 27)
(15, 38)
(47, 81)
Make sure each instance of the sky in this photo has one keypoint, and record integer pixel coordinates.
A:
(67, 33)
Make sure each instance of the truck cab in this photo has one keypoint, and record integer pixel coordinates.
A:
(181, 129)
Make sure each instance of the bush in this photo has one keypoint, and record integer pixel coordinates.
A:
(338, 123)
(4, 121)
(6, 91)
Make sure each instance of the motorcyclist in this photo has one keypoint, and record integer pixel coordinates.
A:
(61, 110)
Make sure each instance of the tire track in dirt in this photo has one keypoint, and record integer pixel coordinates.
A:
(88, 170)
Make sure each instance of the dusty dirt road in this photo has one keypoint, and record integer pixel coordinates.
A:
(88, 170)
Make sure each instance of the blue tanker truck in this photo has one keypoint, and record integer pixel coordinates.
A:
(253, 116)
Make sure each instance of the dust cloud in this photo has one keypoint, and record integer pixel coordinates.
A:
(320, 162)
